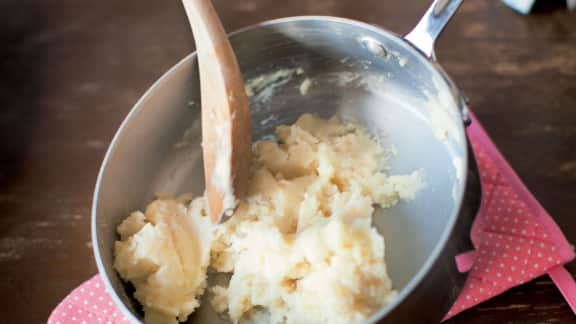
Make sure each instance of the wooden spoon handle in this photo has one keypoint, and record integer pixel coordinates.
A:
(226, 129)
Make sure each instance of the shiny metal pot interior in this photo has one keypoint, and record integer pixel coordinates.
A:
(356, 70)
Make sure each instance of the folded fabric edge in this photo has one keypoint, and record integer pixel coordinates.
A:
(465, 261)
(565, 283)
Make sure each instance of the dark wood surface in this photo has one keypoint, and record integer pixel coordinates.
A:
(70, 70)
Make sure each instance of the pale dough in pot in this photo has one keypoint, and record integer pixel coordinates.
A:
(300, 248)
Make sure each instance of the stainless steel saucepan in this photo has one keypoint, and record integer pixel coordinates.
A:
(328, 66)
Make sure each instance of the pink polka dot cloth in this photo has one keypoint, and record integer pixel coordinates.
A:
(89, 303)
(515, 241)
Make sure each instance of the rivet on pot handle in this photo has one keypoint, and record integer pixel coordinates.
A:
(464, 109)
(431, 24)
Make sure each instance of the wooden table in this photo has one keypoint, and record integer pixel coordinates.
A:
(70, 71)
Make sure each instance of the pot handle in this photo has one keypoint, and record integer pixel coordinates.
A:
(431, 24)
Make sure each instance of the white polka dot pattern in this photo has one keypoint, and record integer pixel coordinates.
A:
(89, 303)
(512, 246)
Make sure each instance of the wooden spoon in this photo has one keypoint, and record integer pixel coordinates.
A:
(226, 129)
